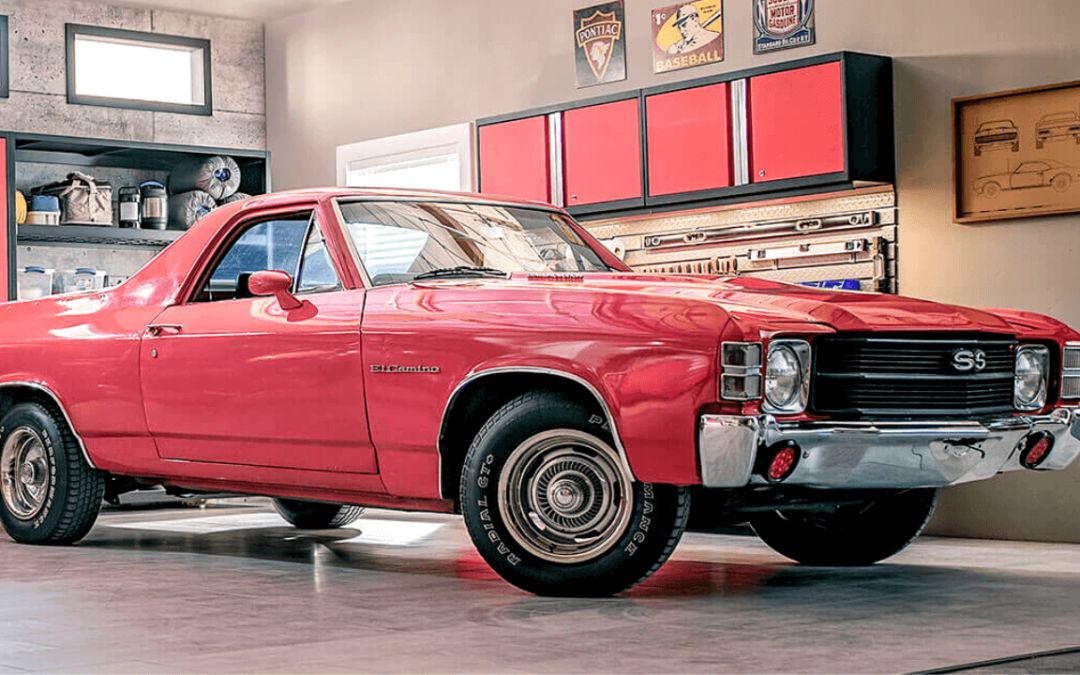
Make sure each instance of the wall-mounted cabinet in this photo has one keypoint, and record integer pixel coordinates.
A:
(602, 155)
(689, 140)
(33, 160)
(816, 124)
(797, 123)
(516, 159)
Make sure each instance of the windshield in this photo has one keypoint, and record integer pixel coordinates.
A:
(396, 241)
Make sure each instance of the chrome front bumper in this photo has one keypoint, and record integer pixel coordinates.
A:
(880, 454)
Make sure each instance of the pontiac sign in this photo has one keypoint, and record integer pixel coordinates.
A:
(600, 45)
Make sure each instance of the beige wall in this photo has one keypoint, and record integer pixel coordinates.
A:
(365, 69)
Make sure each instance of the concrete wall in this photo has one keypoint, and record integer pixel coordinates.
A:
(364, 69)
(38, 100)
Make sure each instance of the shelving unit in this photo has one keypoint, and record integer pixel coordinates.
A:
(79, 235)
(51, 158)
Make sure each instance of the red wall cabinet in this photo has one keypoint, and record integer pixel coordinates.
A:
(689, 140)
(815, 124)
(797, 123)
(602, 155)
(515, 159)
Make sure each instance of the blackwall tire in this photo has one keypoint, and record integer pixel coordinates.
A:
(48, 492)
(852, 536)
(316, 515)
(551, 507)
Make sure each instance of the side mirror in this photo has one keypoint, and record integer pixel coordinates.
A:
(277, 284)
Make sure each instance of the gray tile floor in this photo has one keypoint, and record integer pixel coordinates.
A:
(234, 589)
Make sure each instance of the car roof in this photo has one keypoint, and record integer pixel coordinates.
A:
(310, 194)
(998, 123)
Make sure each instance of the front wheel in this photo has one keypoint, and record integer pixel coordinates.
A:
(316, 515)
(551, 506)
(855, 535)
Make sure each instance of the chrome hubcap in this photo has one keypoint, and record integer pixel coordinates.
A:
(24, 473)
(566, 496)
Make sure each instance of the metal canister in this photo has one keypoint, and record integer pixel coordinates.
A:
(154, 210)
(129, 206)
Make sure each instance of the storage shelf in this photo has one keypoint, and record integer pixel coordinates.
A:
(90, 235)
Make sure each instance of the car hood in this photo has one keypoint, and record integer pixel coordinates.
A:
(761, 305)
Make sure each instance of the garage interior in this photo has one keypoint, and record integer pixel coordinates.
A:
(309, 93)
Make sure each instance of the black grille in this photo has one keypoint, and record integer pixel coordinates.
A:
(904, 376)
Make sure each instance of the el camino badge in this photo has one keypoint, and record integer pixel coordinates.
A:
(404, 369)
(782, 24)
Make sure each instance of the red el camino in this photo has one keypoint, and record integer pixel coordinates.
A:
(427, 351)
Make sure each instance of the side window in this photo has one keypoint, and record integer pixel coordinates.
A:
(317, 274)
(268, 245)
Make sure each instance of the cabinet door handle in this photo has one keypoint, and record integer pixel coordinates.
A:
(164, 329)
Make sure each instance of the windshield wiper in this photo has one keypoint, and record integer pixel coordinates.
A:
(461, 271)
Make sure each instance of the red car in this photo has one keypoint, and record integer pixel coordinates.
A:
(427, 351)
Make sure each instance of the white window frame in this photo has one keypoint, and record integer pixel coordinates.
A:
(418, 145)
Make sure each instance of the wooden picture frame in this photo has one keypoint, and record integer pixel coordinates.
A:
(1016, 154)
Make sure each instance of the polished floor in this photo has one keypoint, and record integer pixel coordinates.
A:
(231, 588)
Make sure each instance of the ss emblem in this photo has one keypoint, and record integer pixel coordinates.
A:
(966, 360)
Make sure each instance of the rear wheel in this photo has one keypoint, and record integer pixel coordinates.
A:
(551, 506)
(854, 535)
(316, 515)
(50, 494)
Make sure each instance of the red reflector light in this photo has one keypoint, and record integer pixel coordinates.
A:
(782, 464)
(1037, 450)
(776, 463)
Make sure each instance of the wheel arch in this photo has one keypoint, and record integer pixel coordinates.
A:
(13, 393)
(481, 394)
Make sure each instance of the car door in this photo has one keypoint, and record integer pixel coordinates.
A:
(229, 378)
(1029, 174)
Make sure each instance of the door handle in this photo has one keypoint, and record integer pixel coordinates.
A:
(158, 329)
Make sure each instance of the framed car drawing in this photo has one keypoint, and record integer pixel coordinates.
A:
(1016, 154)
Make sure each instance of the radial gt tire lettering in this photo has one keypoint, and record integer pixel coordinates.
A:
(551, 507)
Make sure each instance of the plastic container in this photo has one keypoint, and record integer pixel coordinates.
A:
(154, 212)
(44, 203)
(34, 282)
(81, 280)
(43, 210)
(129, 206)
(42, 217)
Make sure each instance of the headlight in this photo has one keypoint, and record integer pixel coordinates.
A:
(787, 377)
(1029, 390)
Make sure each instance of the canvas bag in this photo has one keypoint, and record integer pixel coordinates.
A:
(83, 199)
